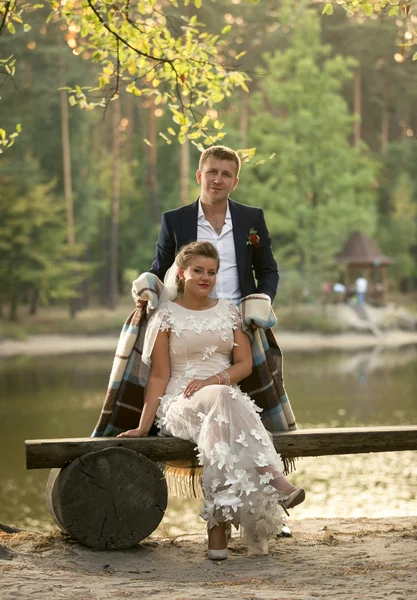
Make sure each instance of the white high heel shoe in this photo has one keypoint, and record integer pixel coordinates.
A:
(220, 553)
(296, 497)
(217, 554)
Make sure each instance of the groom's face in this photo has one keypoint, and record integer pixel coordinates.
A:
(217, 178)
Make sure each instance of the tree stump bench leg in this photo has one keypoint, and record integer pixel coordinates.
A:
(108, 500)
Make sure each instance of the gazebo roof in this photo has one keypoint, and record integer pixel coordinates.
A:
(360, 249)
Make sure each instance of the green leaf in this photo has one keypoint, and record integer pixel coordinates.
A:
(328, 9)
(164, 137)
(238, 56)
(226, 29)
(367, 9)
(415, 56)
(27, 27)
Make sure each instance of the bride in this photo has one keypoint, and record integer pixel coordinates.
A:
(199, 354)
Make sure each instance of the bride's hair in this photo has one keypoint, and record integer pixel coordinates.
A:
(187, 253)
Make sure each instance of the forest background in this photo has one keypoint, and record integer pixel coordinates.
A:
(330, 104)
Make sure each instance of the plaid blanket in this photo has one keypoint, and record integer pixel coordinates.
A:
(265, 385)
(125, 395)
(123, 403)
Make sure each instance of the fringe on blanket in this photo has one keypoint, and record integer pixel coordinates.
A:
(183, 481)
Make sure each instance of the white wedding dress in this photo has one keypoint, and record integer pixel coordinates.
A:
(235, 450)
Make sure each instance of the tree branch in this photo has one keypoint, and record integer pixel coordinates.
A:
(8, 8)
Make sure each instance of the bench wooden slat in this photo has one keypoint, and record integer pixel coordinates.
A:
(49, 453)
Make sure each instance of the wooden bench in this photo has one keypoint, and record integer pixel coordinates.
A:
(108, 493)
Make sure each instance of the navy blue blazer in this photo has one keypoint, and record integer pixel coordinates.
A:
(179, 227)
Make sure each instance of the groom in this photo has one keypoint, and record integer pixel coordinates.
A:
(237, 231)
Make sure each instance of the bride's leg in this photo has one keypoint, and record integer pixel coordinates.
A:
(292, 495)
(217, 537)
(278, 481)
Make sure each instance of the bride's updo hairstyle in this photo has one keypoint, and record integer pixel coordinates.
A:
(186, 255)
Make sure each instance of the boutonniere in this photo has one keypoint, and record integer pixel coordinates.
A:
(253, 238)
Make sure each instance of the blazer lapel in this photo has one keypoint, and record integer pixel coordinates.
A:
(188, 225)
(240, 235)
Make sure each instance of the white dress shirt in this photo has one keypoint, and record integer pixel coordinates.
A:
(227, 281)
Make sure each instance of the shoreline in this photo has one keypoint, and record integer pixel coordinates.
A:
(44, 345)
(333, 559)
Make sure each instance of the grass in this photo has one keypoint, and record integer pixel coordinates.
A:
(307, 319)
(56, 321)
(407, 301)
(101, 321)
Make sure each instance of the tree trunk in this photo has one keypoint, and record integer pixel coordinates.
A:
(99, 157)
(184, 171)
(66, 163)
(357, 106)
(385, 114)
(115, 204)
(13, 307)
(244, 118)
(33, 302)
(103, 227)
(85, 285)
(130, 115)
(153, 173)
(67, 175)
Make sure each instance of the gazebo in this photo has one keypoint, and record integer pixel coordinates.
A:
(362, 257)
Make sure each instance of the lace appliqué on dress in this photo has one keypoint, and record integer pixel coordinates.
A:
(217, 320)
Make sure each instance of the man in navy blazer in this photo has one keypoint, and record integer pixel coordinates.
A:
(238, 231)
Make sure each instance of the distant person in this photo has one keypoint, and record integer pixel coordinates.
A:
(361, 286)
(326, 288)
(339, 291)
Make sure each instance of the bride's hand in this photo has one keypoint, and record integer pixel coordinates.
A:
(132, 433)
(195, 385)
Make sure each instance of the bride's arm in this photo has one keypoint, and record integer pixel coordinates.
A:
(241, 368)
(157, 383)
(242, 358)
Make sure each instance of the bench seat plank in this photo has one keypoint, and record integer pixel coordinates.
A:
(49, 453)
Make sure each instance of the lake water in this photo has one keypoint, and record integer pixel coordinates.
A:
(51, 397)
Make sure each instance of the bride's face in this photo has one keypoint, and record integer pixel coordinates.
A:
(200, 275)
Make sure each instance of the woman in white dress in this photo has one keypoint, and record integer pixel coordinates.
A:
(199, 355)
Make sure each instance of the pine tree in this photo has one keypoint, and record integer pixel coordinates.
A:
(316, 189)
(34, 255)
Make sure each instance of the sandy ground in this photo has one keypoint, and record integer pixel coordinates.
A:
(58, 344)
(325, 558)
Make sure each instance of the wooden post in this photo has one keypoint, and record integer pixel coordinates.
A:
(384, 281)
